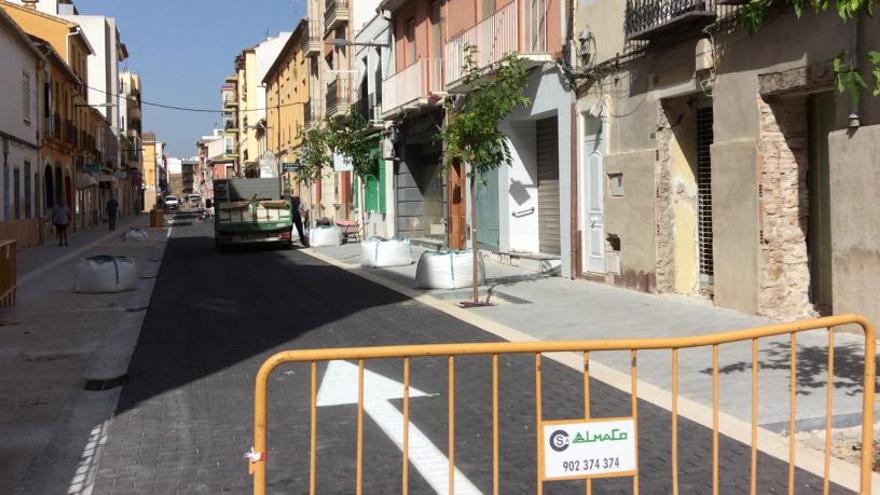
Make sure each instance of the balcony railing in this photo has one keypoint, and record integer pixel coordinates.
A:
(646, 19)
(338, 95)
(69, 132)
(57, 127)
(335, 13)
(315, 39)
(493, 37)
(412, 85)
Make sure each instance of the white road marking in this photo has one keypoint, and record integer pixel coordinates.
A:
(339, 387)
(84, 478)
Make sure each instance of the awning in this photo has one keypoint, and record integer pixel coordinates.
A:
(108, 178)
(85, 181)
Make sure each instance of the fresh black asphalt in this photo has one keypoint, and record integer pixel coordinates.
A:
(186, 413)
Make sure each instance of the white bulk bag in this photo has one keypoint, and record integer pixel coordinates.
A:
(448, 270)
(102, 274)
(325, 235)
(136, 235)
(377, 253)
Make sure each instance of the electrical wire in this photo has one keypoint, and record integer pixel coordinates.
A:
(188, 109)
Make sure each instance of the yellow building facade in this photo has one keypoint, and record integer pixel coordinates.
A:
(149, 170)
(287, 95)
(66, 116)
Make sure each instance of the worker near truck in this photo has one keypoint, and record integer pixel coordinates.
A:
(296, 211)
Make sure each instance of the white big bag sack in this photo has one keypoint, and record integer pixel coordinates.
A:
(138, 235)
(105, 274)
(325, 235)
(378, 252)
(448, 270)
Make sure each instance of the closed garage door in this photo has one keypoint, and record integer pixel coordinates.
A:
(548, 186)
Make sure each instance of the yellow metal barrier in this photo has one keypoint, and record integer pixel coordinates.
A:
(8, 277)
(257, 456)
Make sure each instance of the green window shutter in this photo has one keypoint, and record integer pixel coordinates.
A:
(355, 190)
(383, 201)
(371, 193)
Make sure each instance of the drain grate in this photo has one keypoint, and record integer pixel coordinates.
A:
(96, 385)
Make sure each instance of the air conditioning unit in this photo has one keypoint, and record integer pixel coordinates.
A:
(387, 148)
(704, 56)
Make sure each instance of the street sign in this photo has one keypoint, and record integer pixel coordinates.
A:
(92, 168)
(339, 387)
(342, 163)
(580, 449)
(289, 167)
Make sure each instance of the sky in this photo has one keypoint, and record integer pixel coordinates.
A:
(184, 49)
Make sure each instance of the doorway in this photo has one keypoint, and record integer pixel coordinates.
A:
(488, 231)
(549, 240)
(594, 209)
(821, 121)
(704, 195)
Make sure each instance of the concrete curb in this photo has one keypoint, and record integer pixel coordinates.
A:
(842, 473)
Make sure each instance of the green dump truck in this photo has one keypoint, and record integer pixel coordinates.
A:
(251, 211)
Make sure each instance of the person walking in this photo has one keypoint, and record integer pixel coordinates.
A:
(296, 211)
(61, 219)
(112, 210)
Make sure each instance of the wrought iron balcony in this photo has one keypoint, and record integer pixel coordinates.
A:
(338, 95)
(647, 19)
(336, 13)
(70, 136)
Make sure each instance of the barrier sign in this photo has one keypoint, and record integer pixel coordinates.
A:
(599, 448)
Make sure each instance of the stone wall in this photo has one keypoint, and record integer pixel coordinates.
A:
(784, 273)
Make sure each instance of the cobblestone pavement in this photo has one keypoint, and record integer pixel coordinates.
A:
(185, 416)
(47, 342)
(554, 308)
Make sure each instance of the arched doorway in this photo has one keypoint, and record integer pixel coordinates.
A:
(59, 185)
(50, 187)
(68, 192)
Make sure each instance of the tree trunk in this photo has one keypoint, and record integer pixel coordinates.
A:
(362, 206)
(476, 252)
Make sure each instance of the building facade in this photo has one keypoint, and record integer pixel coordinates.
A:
(287, 94)
(721, 165)
(66, 141)
(21, 126)
(373, 203)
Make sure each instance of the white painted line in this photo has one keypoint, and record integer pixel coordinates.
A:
(83, 481)
(811, 460)
(84, 478)
(339, 387)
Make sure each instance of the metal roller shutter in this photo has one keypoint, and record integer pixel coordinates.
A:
(548, 186)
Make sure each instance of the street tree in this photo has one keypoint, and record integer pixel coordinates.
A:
(848, 75)
(350, 137)
(315, 155)
(471, 135)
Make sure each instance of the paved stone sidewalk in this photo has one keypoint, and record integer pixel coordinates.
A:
(186, 414)
(48, 342)
(553, 308)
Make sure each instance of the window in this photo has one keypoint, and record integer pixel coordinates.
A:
(16, 178)
(27, 190)
(47, 98)
(26, 97)
(488, 8)
(410, 41)
(435, 31)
